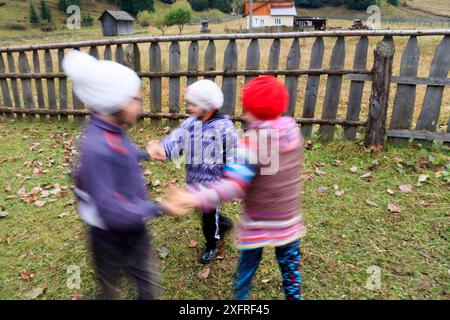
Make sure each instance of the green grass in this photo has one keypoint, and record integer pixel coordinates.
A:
(345, 234)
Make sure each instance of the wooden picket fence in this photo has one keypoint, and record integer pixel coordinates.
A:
(22, 99)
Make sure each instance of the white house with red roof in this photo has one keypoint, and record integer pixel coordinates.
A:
(270, 13)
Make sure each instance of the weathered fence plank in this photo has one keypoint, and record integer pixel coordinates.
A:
(51, 93)
(356, 87)
(119, 55)
(132, 57)
(429, 115)
(93, 51)
(26, 83)
(252, 61)
(107, 54)
(418, 134)
(333, 90)
(274, 55)
(210, 59)
(192, 61)
(62, 86)
(230, 62)
(382, 72)
(5, 88)
(38, 82)
(155, 82)
(14, 84)
(291, 82)
(405, 97)
(312, 85)
(174, 82)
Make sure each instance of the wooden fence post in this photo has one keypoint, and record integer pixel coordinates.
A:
(50, 83)
(14, 82)
(210, 59)
(38, 82)
(27, 95)
(429, 115)
(356, 87)
(274, 55)
(405, 96)
(312, 85)
(291, 82)
(174, 82)
(5, 89)
(252, 61)
(155, 83)
(381, 83)
(62, 86)
(230, 63)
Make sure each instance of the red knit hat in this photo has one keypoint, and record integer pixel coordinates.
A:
(265, 97)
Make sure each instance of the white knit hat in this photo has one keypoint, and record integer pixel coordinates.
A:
(205, 94)
(104, 86)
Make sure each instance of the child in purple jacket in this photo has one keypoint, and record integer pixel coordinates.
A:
(111, 192)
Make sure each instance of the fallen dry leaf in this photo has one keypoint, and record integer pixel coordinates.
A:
(322, 189)
(204, 273)
(366, 175)
(320, 172)
(394, 208)
(389, 191)
(371, 203)
(33, 293)
(40, 203)
(335, 187)
(405, 188)
(8, 188)
(192, 244)
(339, 193)
(354, 169)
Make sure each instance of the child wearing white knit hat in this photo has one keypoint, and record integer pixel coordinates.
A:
(204, 99)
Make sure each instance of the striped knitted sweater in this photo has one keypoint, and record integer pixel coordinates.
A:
(269, 186)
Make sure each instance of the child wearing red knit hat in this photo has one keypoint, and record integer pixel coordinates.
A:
(268, 183)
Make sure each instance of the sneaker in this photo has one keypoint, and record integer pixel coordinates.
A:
(208, 255)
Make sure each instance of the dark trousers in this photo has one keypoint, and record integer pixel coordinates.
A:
(288, 257)
(215, 226)
(130, 253)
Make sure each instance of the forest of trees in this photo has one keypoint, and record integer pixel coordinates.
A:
(351, 4)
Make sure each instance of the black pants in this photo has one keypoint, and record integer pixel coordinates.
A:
(130, 253)
(215, 225)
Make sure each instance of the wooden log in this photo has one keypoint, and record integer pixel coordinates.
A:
(26, 84)
(177, 116)
(382, 72)
(312, 85)
(5, 88)
(120, 55)
(14, 84)
(210, 59)
(274, 55)
(242, 36)
(192, 61)
(174, 82)
(51, 93)
(431, 108)
(333, 90)
(155, 82)
(418, 134)
(38, 82)
(62, 86)
(405, 97)
(252, 61)
(356, 87)
(292, 62)
(107, 54)
(352, 74)
(230, 62)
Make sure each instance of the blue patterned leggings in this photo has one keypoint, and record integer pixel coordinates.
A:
(288, 257)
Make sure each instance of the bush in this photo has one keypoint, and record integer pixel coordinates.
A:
(87, 20)
(47, 27)
(308, 3)
(199, 5)
(144, 18)
(179, 17)
(394, 2)
(15, 26)
(360, 4)
(64, 4)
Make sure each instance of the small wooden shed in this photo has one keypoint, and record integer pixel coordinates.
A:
(116, 23)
